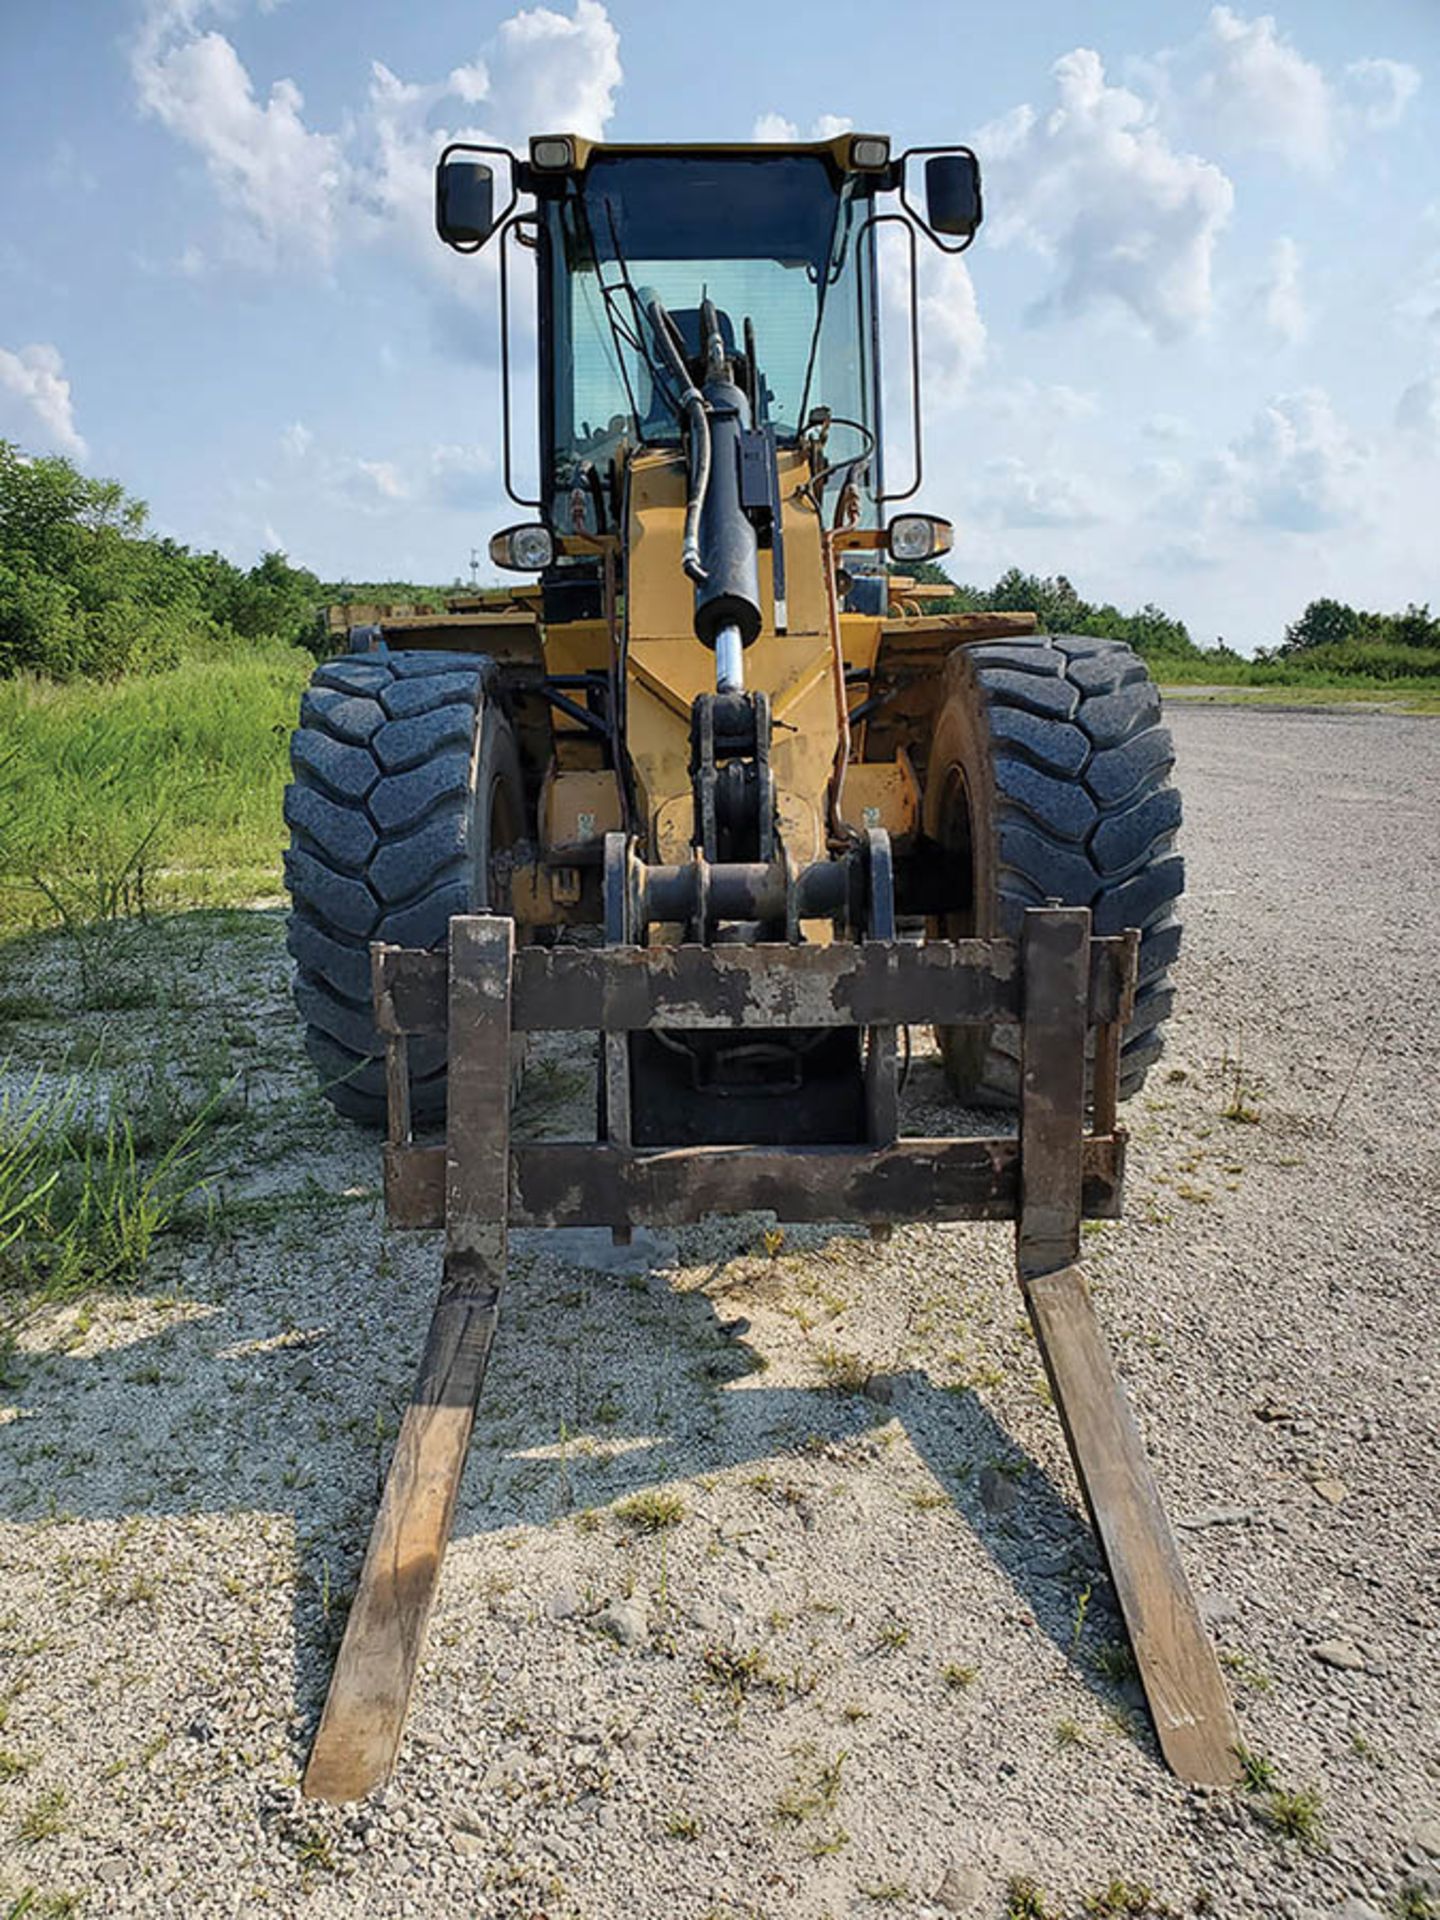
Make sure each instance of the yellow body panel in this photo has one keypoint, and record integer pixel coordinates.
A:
(667, 666)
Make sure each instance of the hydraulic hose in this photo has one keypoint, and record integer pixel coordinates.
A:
(693, 405)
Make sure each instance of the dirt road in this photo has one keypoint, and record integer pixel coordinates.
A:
(725, 1630)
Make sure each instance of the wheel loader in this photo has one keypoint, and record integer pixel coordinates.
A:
(714, 789)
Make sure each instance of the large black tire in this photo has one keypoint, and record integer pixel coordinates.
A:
(407, 786)
(1049, 779)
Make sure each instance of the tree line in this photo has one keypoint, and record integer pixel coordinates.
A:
(1328, 638)
(86, 590)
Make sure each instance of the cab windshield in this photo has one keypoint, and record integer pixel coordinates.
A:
(771, 240)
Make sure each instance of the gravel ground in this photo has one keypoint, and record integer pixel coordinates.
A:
(847, 1648)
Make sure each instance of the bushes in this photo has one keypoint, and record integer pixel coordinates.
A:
(85, 591)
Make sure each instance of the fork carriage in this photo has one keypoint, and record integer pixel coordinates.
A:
(1069, 993)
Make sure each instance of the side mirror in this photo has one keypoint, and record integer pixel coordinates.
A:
(952, 195)
(464, 204)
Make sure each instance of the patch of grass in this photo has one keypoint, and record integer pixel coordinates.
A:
(928, 1499)
(1239, 1107)
(886, 1893)
(738, 1669)
(1412, 1902)
(44, 1818)
(12, 1765)
(844, 1372)
(957, 1677)
(1291, 1813)
(1025, 1900)
(683, 1826)
(1257, 1774)
(815, 1788)
(1247, 1672)
(1069, 1733)
(1295, 1815)
(892, 1636)
(82, 1202)
(313, 1849)
(1122, 1900)
(651, 1511)
(1114, 1660)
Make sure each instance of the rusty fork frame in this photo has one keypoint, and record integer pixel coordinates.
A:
(1058, 982)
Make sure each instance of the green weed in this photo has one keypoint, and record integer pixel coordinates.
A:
(81, 1203)
(44, 1818)
(651, 1511)
(1024, 1900)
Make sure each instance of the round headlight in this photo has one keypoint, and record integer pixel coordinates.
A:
(911, 539)
(532, 548)
(527, 549)
(918, 536)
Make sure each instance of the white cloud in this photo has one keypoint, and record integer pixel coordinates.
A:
(553, 73)
(1050, 403)
(1283, 300)
(296, 441)
(1297, 468)
(1417, 412)
(1020, 496)
(1380, 91)
(1255, 88)
(1244, 83)
(463, 477)
(1094, 185)
(952, 333)
(297, 194)
(774, 129)
(282, 179)
(35, 403)
(378, 481)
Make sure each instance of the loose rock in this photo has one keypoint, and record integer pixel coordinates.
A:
(625, 1621)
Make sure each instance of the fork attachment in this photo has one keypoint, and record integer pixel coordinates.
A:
(1058, 983)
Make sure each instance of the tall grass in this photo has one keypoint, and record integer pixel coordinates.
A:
(156, 791)
(1346, 670)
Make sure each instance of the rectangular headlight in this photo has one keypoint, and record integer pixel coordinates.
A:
(869, 152)
(551, 154)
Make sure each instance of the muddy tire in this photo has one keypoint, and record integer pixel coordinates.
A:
(406, 788)
(1049, 779)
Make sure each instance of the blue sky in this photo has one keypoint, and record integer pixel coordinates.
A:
(1194, 356)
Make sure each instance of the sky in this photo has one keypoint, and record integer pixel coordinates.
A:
(1193, 357)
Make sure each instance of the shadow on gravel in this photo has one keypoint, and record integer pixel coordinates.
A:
(602, 1385)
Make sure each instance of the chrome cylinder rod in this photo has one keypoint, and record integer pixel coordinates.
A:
(729, 661)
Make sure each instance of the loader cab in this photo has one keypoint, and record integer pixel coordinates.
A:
(777, 240)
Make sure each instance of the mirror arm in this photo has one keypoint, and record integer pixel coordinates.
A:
(512, 224)
(899, 220)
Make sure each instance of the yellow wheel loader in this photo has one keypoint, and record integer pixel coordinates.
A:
(714, 788)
